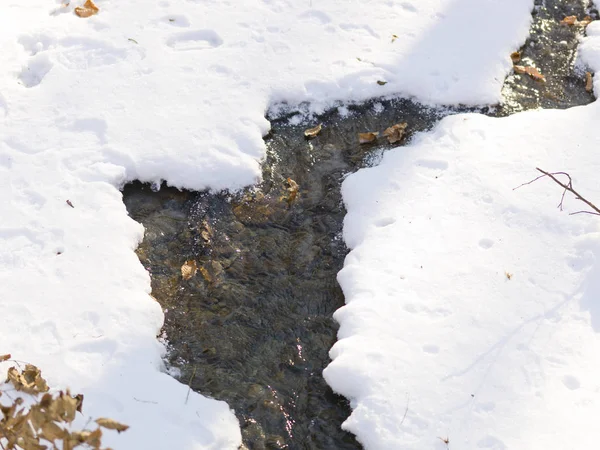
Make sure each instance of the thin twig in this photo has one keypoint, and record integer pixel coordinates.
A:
(190, 385)
(585, 212)
(529, 182)
(406, 410)
(145, 401)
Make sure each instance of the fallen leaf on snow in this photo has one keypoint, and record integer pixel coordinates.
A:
(70, 203)
(515, 57)
(88, 9)
(381, 83)
(189, 269)
(313, 132)
(395, 133)
(531, 71)
(365, 138)
(394, 37)
(5, 357)
(586, 21)
(589, 85)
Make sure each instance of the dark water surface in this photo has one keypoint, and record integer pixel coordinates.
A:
(254, 326)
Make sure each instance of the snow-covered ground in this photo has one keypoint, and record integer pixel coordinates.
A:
(169, 90)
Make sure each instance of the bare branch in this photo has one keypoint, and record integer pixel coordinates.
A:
(568, 187)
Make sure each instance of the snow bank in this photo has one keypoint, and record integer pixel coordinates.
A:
(177, 91)
(473, 309)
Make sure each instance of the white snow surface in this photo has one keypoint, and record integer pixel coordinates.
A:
(177, 91)
(473, 310)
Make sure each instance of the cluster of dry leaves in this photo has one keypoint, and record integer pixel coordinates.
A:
(534, 73)
(44, 424)
(394, 134)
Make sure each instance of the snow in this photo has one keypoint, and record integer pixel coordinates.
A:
(177, 91)
(472, 308)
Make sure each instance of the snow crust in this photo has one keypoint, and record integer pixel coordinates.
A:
(178, 91)
(472, 309)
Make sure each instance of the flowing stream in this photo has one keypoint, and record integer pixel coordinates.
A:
(254, 325)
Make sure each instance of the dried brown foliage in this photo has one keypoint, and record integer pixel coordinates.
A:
(45, 423)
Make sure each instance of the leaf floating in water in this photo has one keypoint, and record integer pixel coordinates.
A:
(589, 85)
(189, 269)
(212, 271)
(572, 20)
(569, 20)
(206, 231)
(313, 132)
(292, 189)
(531, 71)
(88, 9)
(366, 138)
(395, 133)
(515, 57)
(381, 83)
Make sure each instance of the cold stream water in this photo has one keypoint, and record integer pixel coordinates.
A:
(254, 325)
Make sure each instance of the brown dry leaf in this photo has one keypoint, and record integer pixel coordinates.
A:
(88, 9)
(5, 357)
(292, 190)
(313, 132)
(395, 133)
(189, 269)
(63, 408)
(206, 231)
(52, 431)
(531, 71)
(569, 20)
(212, 271)
(111, 424)
(93, 439)
(29, 380)
(394, 37)
(572, 20)
(589, 85)
(515, 57)
(366, 138)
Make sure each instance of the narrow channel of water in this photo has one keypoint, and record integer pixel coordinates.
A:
(254, 325)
